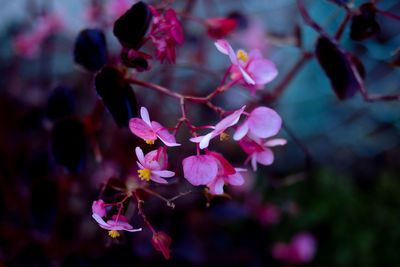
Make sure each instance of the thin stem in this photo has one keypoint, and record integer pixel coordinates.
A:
(156, 87)
(387, 14)
(139, 205)
(342, 25)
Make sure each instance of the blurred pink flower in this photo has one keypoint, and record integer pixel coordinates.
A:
(150, 130)
(164, 33)
(153, 165)
(262, 122)
(220, 27)
(253, 70)
(28, 44)
(212, 170)
(259, 152)
(300, 250)
(219, 128)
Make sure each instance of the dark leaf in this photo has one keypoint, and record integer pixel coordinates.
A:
(364, 25)
(132, 26)
(90, 49)
(117, 95)
(139, 63)
(61, 103)
(240, 18)
(338, 68)
(68, 143)
(339, 2)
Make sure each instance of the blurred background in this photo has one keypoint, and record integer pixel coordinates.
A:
(337, 179)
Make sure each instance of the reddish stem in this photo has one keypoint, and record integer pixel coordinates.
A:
(387, 14)
(139, 205)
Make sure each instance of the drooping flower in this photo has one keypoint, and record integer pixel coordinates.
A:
(300, 250)
(161, 242)
(212, 170)
(153, 165)
(258, 151)
(165, 32)
(251, 69)
(220, 27)
(118, 223)
(262, 122)
(149, 131)
(219, 128)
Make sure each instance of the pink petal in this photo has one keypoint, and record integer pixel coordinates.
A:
(164, 135)
(266, 157)
(141, 129)
(246, 76)
(140, 156)
(229, 121)
(100, 220)
(199, 170)
(264, 122)
(235, 179)
(140, 166)
(98, 207)
(134, 230)
(158, 156)
(241, 131)
(225, 48)
(158, 179)
(262, 70)
(164, 173)
(206, 140)
(176, 30)
(275, 142)
(217, 186)
(224, 168)
(145, 115)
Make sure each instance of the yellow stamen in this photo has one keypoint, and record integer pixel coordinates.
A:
(149, 142)
(144, 174)
(242, 56)
(113, 233)
(223, 137)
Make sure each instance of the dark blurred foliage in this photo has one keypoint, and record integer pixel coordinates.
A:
(348, 196)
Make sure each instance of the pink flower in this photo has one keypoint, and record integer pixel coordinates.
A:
(220, 27)
(150, 130)
(300, 250)
(153, 165)
(164, 33)
(259, 152)
(28, 44)
(219, 128)
(99, 208)
(118, 223)
(253, 70)
(161, 242)
(262, 122)
(212, 170)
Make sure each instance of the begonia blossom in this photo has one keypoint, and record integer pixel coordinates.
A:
(118, 223)
(153, 165)
(212, 170)
(149, 131)
(251, 69)
(262, 122)
(219, 128)
(164, 33)
(258, 151)
(300, 250)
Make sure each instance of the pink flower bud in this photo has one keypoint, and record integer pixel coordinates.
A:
(99, 208)
(220, 27)
(161, 242)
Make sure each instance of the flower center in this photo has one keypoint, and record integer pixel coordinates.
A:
(149, 142)
(223, 136)
(241, 55)
(144, 174)
(113, 233)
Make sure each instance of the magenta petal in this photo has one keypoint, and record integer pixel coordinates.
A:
(229, 121)
(158, 179)
(262, 70)
(164, 135)
(140, 128)
(199, 170)
(225, 48)
(266, 157)
(264, 122)
(140, 156)
(145, 115)
(217, 186)
(235, 179)
(164, 173)
(99, 208)
(241, 131)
